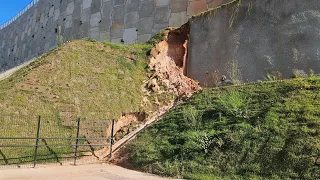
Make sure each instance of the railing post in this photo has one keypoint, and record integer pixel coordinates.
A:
(111, 138)
(77, 141)
(37, 143)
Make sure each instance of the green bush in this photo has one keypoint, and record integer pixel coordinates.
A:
(234, 103)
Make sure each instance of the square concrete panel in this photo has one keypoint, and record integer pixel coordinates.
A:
(178, 5)
(117, 30)
(62, 17)
(78, 2)
(104, 36)
(145, 26)
(67, 34)
(56, 4)
(131, 19)
(158, 27)
(162, 15)
(159, 3)
(119, 2)
(76, 26)
(132, 5)
(63, 5)
(146, 9)
(51, 11)
(107, 8)
(86, 4)
(95, 6)
(77, 11)
(118, 14)
(86, 15)
(95, 19)
(178, 19)
(70, 8)
(68, 22)
(105, 24)
(95, 33)
(196, 7)
(143, 38)
(130, 36)
(84, 30)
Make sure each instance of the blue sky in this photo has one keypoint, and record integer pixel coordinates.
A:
(9, 8)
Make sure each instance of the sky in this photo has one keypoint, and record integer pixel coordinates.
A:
(9, 8)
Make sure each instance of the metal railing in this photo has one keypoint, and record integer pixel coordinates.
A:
(28, 141)
(31, 4)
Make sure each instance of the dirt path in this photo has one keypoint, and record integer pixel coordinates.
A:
(93, 171)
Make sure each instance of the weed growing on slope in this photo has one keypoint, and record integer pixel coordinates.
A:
(59, 37)
(234, 103)
(234, 72)
(191, 116)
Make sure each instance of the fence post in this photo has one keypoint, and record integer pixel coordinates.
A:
(111, 138)
(37, 143)
(4, 157)
(77, 141)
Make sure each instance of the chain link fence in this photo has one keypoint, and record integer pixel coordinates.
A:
(29, 141)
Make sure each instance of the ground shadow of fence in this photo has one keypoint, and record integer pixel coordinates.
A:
(28, 141)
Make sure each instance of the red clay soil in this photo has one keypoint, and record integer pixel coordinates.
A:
(168, 62)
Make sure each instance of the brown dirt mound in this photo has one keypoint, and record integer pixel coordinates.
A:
(168, 64)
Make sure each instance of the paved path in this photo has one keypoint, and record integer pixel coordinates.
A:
(9, 72)
(93, 171)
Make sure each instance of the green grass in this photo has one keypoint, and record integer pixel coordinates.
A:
(96, 80)
(158, 38)
(267, 130)
(89, 77)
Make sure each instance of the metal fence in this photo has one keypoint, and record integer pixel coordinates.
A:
(31, 4)
(34, 141)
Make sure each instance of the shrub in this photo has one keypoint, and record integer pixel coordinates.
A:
(191, 116)
(59, 37)
(234, 72)
(297, 73)
(234, 103)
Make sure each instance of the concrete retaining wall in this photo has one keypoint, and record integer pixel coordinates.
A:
(121, 21)
(266, 36)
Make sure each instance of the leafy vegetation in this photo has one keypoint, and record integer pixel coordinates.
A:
(234, 72)
(267, 130)
(157, 38)
(59, 37)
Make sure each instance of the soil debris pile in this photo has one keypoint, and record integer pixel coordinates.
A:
(168, 65)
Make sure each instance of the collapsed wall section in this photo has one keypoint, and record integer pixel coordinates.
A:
(254, 38)
(122, 21)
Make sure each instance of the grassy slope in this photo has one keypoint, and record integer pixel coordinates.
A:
(80, 79)
(258, 131)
